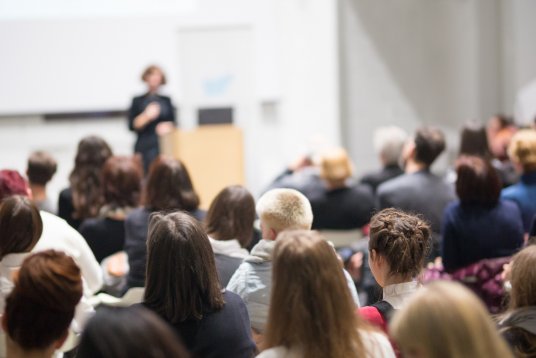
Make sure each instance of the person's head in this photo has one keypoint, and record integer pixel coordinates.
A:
(474, 141)
(12, 183)
(500, 130)
(41, 167)
(335, 167)
(121, 181)
(388, 143)
(85, 177)
(283, 209)
(154, 77)
(446, 320)
(523, 278)
(20, 225)
(41, 306)
(424, 148)
(169, 186)
(477, 182)
(522, 296)
(128, 332)
(182, 281)
(398, 245)
(310, 305)
(231, 215)
(522, 149)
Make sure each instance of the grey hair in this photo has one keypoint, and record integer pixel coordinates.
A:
(388, 142)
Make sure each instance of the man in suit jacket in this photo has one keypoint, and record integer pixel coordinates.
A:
(419, 190)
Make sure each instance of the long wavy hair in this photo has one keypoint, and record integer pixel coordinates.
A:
(311, 307)
(85, 179)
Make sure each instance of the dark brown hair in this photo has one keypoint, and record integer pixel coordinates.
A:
(121, 181)
(129, 332)
(149, 70)
(169, 186)
(20, 225)
(41, 168)
(231, 215)
(474, 140)
(477, 181)
(402, 239)
(85, 182)
(429, 143)
(41, 306)
(311, 307)
(182, 281)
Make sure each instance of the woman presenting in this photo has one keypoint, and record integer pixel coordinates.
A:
(150, 116)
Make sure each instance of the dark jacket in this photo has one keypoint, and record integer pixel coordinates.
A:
(105, 236)
(388, 172)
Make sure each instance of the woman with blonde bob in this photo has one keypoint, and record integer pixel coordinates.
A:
(312, 313)
(445, 319)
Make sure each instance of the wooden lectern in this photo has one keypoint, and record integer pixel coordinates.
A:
(213, 154)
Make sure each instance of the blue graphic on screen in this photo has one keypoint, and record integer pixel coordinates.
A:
(217, 86)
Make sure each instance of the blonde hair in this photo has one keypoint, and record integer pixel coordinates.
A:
(335, 165)
(522, 149)
(445, 319)
(285, 209)
(310, 306)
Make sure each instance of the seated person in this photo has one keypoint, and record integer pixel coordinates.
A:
(312, 313)
(279, 210)
(480, 225)
(42, 304)
(518, 324)
(229, 224)
(445, 319)
(121, 187)
(83, 199)
(388, 144)
(128, 332)
(57, 234)
(522, 152)
(420, 191)
(337, 203)
(40, 170)
(398, 246)
(183, 288)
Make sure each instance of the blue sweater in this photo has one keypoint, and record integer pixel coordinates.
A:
(475, 232)
(524, 195)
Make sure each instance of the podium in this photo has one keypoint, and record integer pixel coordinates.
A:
(213, 155)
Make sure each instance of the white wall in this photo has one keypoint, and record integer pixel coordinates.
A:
(292, 104)
(417, 62)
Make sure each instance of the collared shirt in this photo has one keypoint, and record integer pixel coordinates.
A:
(399, 293)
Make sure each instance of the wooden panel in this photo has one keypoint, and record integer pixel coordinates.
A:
(214, 156)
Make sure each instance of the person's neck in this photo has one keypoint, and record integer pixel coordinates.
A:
(396, 279)
(13, 350)
(335, 184)
(413, 166)
(39, 192)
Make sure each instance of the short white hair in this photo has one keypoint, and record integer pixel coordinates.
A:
(389, 142)
(285, 209)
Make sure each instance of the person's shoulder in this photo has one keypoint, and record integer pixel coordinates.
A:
(66, 193)
(394, 184)
(137, 214)
(89, 225)
(279, 352)
(376, 344)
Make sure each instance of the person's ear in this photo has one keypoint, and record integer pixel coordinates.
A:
(273, 234)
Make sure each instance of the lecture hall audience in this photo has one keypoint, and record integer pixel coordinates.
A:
(206, 295)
